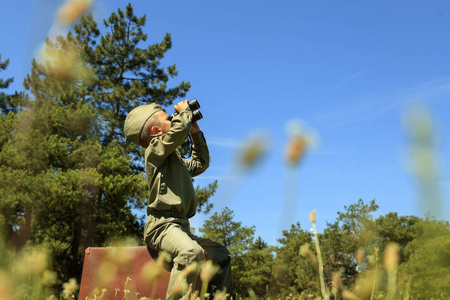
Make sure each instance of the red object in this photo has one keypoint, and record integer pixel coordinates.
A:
(108, 268)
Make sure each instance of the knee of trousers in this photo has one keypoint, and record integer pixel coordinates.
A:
(188, 256)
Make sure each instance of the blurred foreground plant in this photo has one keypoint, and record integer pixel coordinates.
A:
(27, 275)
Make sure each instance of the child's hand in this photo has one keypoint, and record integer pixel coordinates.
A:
(194, 128)
(181, 105)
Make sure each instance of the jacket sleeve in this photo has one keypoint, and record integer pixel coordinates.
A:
(200, 155)
(161, 146)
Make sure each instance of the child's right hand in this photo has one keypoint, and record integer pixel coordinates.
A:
(181, 105)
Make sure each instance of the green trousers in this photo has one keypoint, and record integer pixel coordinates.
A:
(171, 233)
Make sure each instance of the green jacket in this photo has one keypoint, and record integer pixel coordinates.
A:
(169, 175)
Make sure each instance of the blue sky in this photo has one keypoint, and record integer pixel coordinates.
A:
(349, 71)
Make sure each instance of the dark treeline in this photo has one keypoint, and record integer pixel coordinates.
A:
(69, 180)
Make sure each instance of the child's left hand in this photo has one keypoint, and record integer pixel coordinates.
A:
(194, 128)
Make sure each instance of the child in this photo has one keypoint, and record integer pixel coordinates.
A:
(172, 198)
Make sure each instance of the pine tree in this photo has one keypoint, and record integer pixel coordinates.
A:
(255, 270)
(222, 229)
(294, 273)
(127, 75)
(66, 176)
(8, 102)
(353, 231)
(203, 196)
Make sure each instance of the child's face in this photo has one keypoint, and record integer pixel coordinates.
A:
(164, 123)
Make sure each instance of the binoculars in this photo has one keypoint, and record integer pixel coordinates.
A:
(196, 114)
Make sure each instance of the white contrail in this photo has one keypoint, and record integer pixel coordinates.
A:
(348, 78)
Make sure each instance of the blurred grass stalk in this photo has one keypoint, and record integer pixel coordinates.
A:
(300, 139)
(424, 160)
(312, 218)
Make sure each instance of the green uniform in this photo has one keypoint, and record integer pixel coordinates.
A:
(172, 202)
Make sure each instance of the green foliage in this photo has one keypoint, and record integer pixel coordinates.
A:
(428, 266)
(294, 273)
(67, 177)
(9, 103)
(223, 229)
(398, 229)
(127, 74)
(254, 271)
(203, 195)
(341, 240)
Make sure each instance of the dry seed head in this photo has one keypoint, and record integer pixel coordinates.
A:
(122, 256)
(312, 217)
(178, 288)
(300, 139)
(305, 251)
(151, 271)
(391, 257)
(194, 295)
(64, 64)
(106, 272)
(365, 283)
(223, 295)
(163, 258)
(252, 151)
(5, 286)
(359, 257)
(208, 271)
(348, 295)
(32, 261)
(70, 288)
(336, 282)
(48, 278)
(295, 149)
(188, 270)
(72, 10)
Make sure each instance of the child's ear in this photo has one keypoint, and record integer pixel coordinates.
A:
(154, 130)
